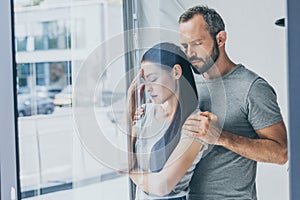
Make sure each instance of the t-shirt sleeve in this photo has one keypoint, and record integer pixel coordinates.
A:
(262, 105)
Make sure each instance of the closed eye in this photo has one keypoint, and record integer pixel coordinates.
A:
(152, 79)
(185, 46)
(195, 43)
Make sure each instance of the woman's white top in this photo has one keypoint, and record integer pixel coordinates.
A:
(150, 130)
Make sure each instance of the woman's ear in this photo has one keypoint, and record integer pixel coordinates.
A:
(177, 71)
(221, 38)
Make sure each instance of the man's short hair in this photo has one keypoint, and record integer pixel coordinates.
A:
(213, 20)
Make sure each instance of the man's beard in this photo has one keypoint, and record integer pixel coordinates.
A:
(208, 61)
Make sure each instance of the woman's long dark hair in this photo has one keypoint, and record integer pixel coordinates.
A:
(167, 55)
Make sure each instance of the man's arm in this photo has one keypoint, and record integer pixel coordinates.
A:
(271, 146)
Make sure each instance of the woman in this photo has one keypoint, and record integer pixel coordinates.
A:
(165, 158)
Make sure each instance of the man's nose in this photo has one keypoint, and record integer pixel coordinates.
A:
(190, 52)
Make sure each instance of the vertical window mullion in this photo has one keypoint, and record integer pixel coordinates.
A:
(129, 17)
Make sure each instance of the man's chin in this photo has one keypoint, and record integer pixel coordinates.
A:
(197, 69)
(201, 69)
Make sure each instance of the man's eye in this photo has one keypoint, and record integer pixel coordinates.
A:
(196, 43)
(185, 46)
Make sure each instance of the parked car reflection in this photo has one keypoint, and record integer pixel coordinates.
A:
(40, 91)
(64, 98)
(50, 92)
(29, 105)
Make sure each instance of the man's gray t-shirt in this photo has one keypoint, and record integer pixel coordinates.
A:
(243, 102)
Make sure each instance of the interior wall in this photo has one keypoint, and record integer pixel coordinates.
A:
(253, 40)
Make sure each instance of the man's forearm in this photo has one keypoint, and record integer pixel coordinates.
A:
(262, 150)
(270, 147)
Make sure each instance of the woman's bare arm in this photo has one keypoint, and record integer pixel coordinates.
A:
(162, 183)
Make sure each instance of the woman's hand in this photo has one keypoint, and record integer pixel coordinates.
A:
(135, 88)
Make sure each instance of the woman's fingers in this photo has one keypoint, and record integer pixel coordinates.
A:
(209, 115)
(142, 91)
(136, 94)
(139, 113)
(136, 80)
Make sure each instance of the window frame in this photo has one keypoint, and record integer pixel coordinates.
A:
(10, 185)
(293, 31)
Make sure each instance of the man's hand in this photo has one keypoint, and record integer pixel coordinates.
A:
(205, 126)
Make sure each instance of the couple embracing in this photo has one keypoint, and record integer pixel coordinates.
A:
(181, 149)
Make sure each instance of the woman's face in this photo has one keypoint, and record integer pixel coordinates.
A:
(160, 82)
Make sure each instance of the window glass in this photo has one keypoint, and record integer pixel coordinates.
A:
(53, 41)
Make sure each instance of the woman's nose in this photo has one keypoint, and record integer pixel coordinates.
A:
(149, 87)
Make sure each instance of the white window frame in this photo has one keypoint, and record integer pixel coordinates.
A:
(9, 170)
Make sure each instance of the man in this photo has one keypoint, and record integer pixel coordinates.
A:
(244, 123)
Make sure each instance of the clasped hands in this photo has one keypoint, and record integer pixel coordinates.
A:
(203, 125)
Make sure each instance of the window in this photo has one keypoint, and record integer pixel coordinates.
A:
(53, 41)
